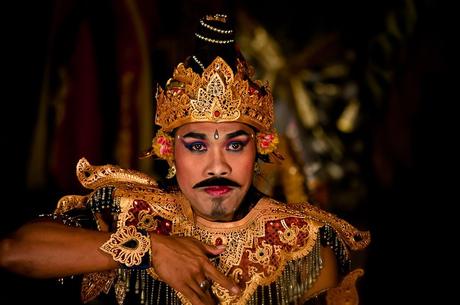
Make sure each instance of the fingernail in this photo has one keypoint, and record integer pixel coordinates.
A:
(220, 247)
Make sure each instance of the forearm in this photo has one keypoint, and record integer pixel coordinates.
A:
(46, 249)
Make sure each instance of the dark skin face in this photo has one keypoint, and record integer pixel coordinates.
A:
(214, 163)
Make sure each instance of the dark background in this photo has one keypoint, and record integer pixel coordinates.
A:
(406, 131)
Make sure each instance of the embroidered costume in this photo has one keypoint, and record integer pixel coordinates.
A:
(272, 253)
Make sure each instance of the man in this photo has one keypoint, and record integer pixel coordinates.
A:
(215, 239)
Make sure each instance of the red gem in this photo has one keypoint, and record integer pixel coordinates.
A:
(252, 91)
(176, 90)
(218, 241)
(217, 113)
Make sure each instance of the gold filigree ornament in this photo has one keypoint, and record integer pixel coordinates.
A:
(92, 176)
(147, 221)
(289, 235)
(262, 254)
(215, 96)
(127, 246)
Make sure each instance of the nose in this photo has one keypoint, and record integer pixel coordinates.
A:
(217, 164)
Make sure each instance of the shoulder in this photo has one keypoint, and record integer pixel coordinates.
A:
(336, 280)
(111, 190)
(331, 224)
(102, 181)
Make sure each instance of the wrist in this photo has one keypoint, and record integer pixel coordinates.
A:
(130, 247)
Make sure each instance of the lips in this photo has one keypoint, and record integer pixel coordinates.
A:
(217, 190)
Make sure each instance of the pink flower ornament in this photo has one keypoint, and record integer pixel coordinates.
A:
(163, 146)
(267, 142)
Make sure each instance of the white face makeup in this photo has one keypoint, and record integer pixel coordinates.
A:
(214, 163)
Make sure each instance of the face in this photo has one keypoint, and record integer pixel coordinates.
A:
(214, 163)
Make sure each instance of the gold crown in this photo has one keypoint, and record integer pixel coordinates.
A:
(215, 96)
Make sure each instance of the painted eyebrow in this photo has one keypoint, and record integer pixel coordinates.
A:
(236, 133)
(195, 135)
(203, 136)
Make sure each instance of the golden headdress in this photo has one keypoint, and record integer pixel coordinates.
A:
(217, 95)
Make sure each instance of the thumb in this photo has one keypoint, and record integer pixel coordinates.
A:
(214, 250)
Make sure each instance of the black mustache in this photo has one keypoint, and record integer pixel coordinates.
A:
(216, 181)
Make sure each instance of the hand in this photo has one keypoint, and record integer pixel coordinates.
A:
(182, 262)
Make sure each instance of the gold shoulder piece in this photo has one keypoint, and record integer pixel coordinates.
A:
(70, 202)
(346, 292)
(92, 177)
(353, 237)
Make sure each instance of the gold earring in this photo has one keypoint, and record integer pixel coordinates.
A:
(171, 171)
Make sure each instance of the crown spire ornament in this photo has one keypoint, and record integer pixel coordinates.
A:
(216, 103)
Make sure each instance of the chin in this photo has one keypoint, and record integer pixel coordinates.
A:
(220, 215)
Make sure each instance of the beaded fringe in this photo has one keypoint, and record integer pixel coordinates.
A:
(297, 277)
(147, 290)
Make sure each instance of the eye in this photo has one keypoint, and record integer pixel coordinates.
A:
(198, 147)
(195, 146)
(235, 146)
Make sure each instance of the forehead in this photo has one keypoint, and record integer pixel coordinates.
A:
(210, 128)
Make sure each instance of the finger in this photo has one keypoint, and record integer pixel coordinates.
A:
(191, 295)
(200, 291)
(214, 250)
(197, 296)
(213, 274)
